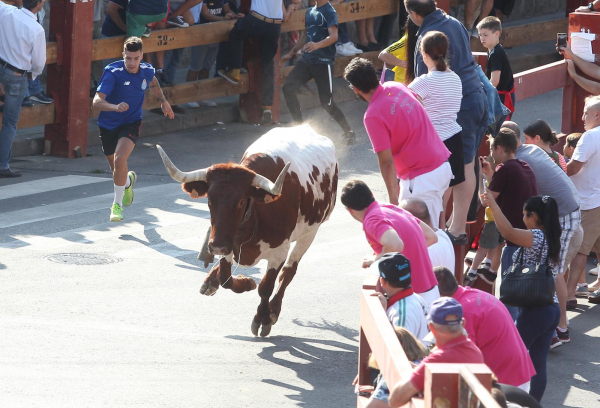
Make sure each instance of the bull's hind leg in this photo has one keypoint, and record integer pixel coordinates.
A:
(288, 273)
(265, 290)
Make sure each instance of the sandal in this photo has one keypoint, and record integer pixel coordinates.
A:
(462, 239)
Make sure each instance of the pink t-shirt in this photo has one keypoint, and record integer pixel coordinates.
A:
(396, 120)
(381, 217)
(460, 350)
(491, 328)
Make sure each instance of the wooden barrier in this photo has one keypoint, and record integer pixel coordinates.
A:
(446, 385)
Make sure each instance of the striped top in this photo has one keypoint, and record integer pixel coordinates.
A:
(441, 94)
(410, 313)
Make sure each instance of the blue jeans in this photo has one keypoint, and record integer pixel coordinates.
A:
(536, 326)
(343, 36)
(506, 262)
(172, 58)
(15, 89)
(34, 86)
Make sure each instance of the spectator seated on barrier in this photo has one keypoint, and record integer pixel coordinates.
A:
(181, 13)
(114, 22)
(491, 328)
(442, 252)
(446, 322)
(472, 12)
(415, 352)
(392, 229)
(140, 13)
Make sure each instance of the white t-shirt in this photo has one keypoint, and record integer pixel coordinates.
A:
(410, 313)
(441, 92)
(268, 8)
(587, 181)
(442, 252)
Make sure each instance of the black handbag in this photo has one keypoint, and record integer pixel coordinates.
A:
(528, 285)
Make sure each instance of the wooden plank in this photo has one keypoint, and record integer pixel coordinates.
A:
(472, 383)
(540, 80)
(162, 40)
(37, 115)
(532, 33)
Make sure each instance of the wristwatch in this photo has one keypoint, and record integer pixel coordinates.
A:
(590, 6)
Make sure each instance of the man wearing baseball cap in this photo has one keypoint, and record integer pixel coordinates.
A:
(403, 307)
(447, 325)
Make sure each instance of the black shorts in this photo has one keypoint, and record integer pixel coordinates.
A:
(110, 137)
(457, 165)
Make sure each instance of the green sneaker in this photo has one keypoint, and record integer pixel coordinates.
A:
(128, 194)
(116, 212)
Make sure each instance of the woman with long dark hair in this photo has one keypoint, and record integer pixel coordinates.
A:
(540, 133)
(541, 240)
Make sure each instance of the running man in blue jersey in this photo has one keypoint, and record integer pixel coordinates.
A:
(119, 98)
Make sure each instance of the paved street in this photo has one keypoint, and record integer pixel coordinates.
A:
(130, 328)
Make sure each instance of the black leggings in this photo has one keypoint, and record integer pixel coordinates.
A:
(300, 75)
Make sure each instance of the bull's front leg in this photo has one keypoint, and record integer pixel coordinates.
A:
(237, 284)
(211, 283)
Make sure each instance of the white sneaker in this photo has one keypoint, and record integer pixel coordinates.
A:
(350, 46)
(594, 271)
(208, 102)
(191, 105)
(342, 51)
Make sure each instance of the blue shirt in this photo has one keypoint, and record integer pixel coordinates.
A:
(318, 20)
(459, 56)
(109, 28)
(120, 86)
(148, 7)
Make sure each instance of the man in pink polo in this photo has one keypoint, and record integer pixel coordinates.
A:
(491, 328)
(392, 229)
(446, 322)
(407, 146)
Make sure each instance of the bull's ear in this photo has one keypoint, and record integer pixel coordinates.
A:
(261, 195)
(196, 189)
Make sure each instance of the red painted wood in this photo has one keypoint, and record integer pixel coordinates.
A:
(69, 81)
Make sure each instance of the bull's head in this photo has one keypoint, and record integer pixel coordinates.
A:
(229, 188)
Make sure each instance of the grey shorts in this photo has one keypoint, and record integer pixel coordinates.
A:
(381, 391)
(203, 57)
(490, 237)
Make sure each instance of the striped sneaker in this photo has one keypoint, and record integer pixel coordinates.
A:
(128, 193)
(116, 213)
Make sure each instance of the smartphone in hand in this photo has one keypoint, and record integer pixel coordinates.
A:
(561, 40)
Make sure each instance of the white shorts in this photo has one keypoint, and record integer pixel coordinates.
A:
(429, 187)
(430, 296)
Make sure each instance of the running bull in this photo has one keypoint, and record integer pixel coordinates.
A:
(281, 192)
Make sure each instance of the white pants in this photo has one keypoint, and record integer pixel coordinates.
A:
(429, 187)
(430, 296)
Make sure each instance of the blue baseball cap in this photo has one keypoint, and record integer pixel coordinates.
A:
(395, 267)
(446, 311)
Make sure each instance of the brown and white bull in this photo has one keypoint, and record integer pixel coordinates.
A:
(281, 192)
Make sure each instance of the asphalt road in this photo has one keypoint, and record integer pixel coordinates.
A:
(136, 332)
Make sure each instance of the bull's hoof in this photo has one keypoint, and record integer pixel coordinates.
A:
(266, 329)
(207, 289)
(254, 327)
(274, 316)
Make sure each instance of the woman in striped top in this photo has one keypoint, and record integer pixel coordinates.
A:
(540, 133)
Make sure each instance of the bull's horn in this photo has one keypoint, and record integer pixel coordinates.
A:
(271, 188)
(178, 175)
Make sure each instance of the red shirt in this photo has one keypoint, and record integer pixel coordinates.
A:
(491, 328)
(382, 217)
(396, 120)
(460, 350)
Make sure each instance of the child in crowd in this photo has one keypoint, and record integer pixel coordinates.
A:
(498, 68)
(540, 133)
(440, 92)
(570, 144)
(396, 55)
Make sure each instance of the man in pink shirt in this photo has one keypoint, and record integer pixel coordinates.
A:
(407, 146)
(491, 328)
(447, 325)
(392, 229)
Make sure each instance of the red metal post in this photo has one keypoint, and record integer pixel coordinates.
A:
(69, 80)
(250, 103)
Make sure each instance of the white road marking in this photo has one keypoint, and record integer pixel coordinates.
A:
(47, 185)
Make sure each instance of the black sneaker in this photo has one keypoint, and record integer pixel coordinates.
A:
(487, 275)
(469, 261)
(177, 21)
(350, 138)
(563, 336)
(41, 98)
(470, 276)
(147, 32)
(27, 102)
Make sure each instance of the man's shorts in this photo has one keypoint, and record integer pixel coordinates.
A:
(472, 117)
(455, 145)
(590, 221)
(110, 137)
(490, 237)
(136, 24)
(569, 224)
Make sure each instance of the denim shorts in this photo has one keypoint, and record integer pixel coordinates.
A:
(472, 117)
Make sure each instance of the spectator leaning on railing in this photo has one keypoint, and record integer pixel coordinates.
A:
(22, 53)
